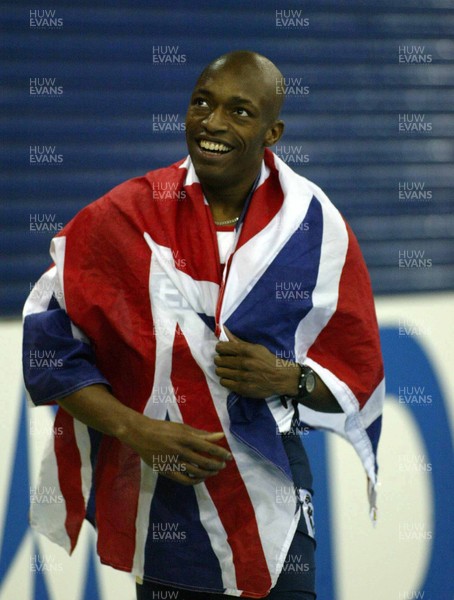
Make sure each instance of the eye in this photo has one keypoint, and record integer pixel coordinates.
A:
(200, 102)
(242, 112)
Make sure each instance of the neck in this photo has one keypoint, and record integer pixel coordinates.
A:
(227, 202)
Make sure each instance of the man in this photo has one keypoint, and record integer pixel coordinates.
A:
(185, 368)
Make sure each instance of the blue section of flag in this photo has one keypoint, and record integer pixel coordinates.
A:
(251, 422)
(95, 440)
(278, 291)
(373, 433)
(175, 531)
(55, 363)
(209, 321)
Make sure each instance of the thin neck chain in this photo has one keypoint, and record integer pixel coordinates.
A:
(229, 222)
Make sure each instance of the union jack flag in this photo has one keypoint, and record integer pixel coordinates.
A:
(137, 299)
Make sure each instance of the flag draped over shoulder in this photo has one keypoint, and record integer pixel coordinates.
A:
(137, 300)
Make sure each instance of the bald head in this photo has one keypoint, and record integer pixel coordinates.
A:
(264, 72)
(232, 117)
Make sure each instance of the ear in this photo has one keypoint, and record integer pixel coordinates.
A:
(274, 133)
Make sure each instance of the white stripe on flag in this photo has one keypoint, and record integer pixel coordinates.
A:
(326, 292)
(201, 296)
(41, 294)
(57, 251)
(277, 525)
(50, 518)
(212, 524)
(254, 257)
(148, 479)
(84, 445)
(276, 521)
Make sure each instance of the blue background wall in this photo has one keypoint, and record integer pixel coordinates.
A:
(348, 124)
(351, 57)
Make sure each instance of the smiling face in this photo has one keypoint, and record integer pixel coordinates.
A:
(232, 117)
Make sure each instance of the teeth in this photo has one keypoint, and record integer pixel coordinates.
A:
(212, 147)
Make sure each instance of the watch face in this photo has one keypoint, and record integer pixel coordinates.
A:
(310, 382)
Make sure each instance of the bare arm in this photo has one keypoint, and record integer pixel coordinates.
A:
(180, 452)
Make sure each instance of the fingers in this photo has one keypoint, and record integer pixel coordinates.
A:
(228, 348)
(229, 362)
(204, 444)
(191, 468)
(212, 436)
(230, 384)
(184, 479)
(189, 464)
(235, 348)
(195, 444)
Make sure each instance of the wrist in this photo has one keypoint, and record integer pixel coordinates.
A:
(129, 427)
(290, 380)
(306, 385)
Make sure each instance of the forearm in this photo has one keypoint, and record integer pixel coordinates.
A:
(321, 399)
(96, 407)
(176, 450)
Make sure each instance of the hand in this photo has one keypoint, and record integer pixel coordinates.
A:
(178, 451)
(253, 371)
(175, 450)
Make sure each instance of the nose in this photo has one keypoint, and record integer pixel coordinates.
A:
(215, 121)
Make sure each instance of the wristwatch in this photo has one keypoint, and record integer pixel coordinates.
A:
(306, 386)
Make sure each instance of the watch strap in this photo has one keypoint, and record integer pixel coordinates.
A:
(302, 392)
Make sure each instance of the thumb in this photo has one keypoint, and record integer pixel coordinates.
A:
(231, 336)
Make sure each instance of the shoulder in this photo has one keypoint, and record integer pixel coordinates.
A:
(131, 200)
(141, 189)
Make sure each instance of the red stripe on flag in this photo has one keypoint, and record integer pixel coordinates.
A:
(69, 474)
(265, 203)
(227, 489)
(107, 295)
(349, 346)
(117, 496)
